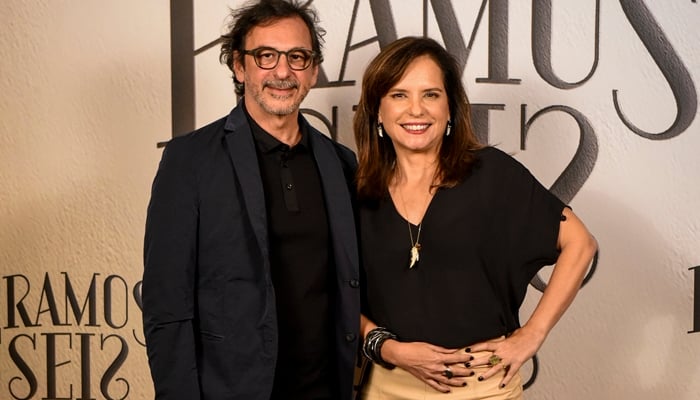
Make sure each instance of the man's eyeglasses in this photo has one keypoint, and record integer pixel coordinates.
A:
(298, 59)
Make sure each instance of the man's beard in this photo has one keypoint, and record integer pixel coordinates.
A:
(259, 96)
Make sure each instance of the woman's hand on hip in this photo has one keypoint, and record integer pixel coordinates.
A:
(437, 366)
(507, 354)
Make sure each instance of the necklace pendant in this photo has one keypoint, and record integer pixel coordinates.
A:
(415, 256)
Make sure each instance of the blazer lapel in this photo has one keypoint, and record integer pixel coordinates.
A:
(241, 147)
(338, 204)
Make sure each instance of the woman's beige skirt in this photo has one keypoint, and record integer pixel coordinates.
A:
(397, 384)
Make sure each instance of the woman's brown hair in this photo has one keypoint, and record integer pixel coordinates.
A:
(376, 155)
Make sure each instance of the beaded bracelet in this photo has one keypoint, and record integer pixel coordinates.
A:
(372, 346)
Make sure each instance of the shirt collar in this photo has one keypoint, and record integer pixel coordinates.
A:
(267, 143)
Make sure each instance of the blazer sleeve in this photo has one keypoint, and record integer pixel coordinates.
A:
(170, 257)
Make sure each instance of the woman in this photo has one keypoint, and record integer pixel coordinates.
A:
(452, 232)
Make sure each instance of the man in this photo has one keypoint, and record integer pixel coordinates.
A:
(251, 278)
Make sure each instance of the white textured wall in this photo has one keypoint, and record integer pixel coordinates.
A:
(85, 97)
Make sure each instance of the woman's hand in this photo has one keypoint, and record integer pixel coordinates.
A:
(437, 366)
(509, 354)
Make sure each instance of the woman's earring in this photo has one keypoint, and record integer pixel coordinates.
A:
(449, 128)
(380, 130)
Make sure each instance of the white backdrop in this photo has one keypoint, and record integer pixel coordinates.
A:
(86, 97)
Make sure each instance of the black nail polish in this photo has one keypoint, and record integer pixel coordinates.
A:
(468, 350)
(468, 364)
(471, 358)
(481, 378)
(472, 374)
(464, 384)
(503, 385)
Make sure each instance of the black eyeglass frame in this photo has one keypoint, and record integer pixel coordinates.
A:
(310, 54)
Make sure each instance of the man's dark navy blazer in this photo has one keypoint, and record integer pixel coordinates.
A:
(208, 301)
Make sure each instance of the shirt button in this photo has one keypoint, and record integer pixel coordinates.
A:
(289, 186)
(354, 283)
(350, 337)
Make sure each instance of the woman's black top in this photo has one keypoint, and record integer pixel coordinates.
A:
(482, 242)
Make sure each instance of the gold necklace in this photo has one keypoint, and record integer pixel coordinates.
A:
(415, 245)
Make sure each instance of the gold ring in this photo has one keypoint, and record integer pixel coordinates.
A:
(495, 360)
